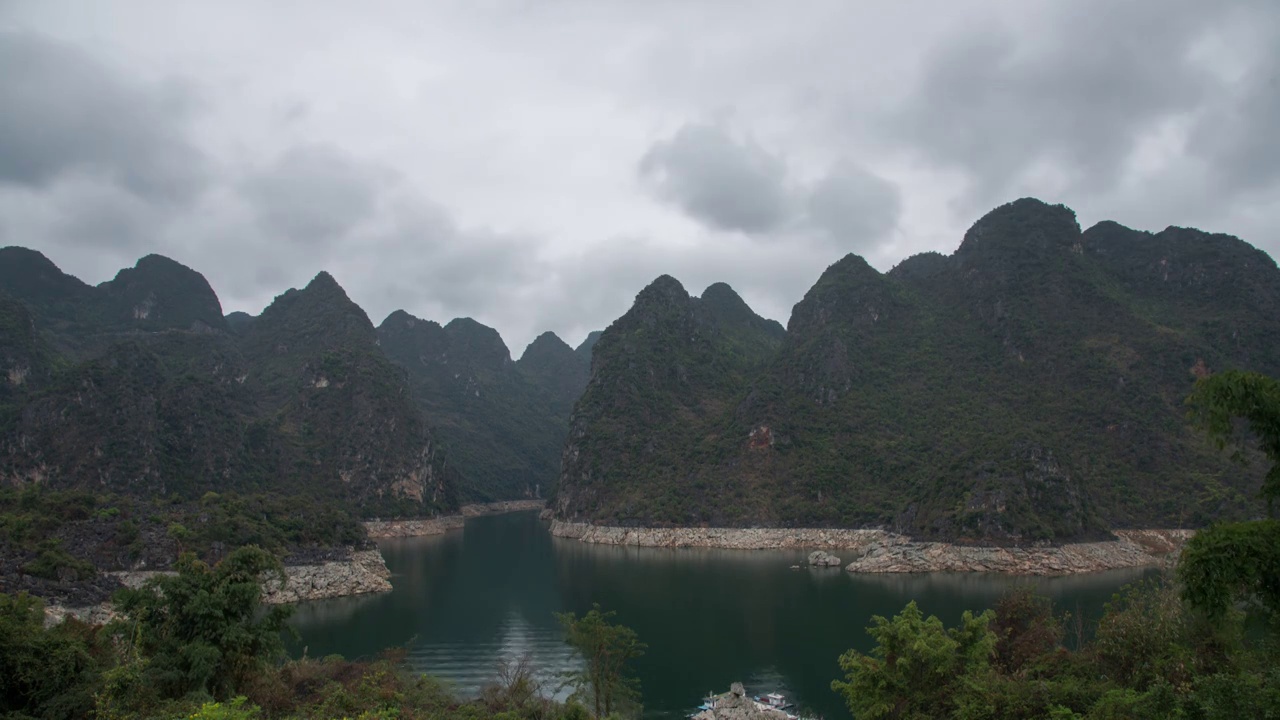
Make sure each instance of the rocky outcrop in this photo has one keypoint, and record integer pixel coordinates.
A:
(879, 551)
(1134, 548)
(502, 506)
(379, 529)
(99, 614)
(732, 538)
(363, 571)
(822, 558)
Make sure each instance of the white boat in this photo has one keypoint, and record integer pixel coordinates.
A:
(708, 703)
(773, 701)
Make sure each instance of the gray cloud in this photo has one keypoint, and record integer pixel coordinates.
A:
(498, 159)
(102, 215)
(724, 182)
(62, 113)
(1074, 98)
(424, 259)
(730, 184)
(314, 193)
(853, 205)
(1236, 135)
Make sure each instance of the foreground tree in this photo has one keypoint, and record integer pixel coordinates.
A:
(918, 667)
(45, 672)
(1238, 562)
(204, 630)
(607, 649)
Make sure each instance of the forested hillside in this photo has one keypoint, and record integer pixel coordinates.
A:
(136, 387)
(1028, 387)
(503, 421)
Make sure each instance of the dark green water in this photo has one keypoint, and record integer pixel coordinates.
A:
(465, 600)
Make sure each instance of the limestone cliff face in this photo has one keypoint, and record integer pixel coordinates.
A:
(334, 400)
(26, 361)
(1026, 389)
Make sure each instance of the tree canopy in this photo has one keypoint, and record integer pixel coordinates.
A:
(204, 629)
(1221, 399)
(1238, 562)
(607, 650)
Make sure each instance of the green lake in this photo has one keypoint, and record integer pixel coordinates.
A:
(465, 600)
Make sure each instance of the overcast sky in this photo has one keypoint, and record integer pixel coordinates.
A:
(534, 163)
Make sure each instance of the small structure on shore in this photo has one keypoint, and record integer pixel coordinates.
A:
(736, 705)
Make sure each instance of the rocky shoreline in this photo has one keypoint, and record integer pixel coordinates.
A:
(361, 572)
(1133, 548)
(730, 538)
(502, 506)
(382, 529)
(879, 551)
(316, 575)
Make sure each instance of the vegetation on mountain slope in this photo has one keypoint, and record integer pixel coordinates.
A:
(82, 321)
(1203, 646)
(137, 388)
(503, 421)
(1026, 388)
(662, 376)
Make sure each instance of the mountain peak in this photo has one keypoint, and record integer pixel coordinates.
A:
(159, 292)
(1024, 224)
(545, 353)
(478, 340)
(850, 289)
(589, 342)
(157, 262)
(663, 289)
(404, 320)
(720, 289)
(34, 279)
(548, 341)
(324, 281)
(724, 308)
(721, 295)
(317, 316)
(921, 266)
(16, 255)
(849, 266)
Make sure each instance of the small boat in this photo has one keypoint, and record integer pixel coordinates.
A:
(773, 701)
(708, 703)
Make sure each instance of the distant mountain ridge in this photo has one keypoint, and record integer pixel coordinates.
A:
(503, 420)
(140, 385)
(156, 294)
(1026, 388)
